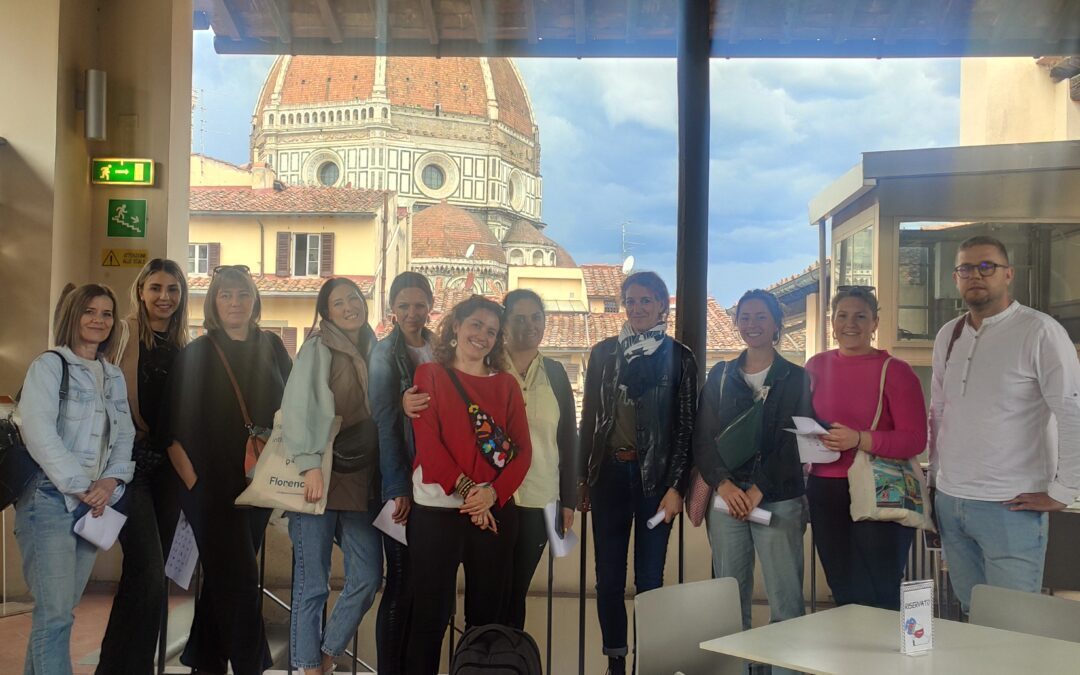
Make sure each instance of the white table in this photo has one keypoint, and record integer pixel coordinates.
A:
(860, 640)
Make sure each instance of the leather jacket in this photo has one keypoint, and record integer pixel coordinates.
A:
(665, 414)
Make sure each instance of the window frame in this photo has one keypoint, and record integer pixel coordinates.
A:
(193, 261)
(309, 238)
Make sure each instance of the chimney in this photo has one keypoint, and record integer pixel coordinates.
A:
(262, 176)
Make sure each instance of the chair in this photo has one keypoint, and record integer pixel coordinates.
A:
(673, 621)
(1021, 612)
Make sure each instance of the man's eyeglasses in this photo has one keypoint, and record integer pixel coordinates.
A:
(244, 269)
(985, 268)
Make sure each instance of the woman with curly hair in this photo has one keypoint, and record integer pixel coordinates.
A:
(472, 453)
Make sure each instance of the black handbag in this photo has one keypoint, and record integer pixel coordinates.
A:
(17, 467)
(356, 447)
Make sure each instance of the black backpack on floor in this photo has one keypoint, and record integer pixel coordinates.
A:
(496, 650)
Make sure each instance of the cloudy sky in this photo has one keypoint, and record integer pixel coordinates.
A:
(782, 130)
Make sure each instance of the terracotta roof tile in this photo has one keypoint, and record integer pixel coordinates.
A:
(446, 231)
(326, 79)
(270, 284)
(456, 85)
(514, 108)
(292, 199)
(524, 232)
(603, 281)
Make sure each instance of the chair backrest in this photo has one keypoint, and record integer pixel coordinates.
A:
(1031, 613)
(673, 621)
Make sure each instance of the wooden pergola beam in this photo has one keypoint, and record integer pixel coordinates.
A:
(896, 21)
(330, 20)
(633, 16)
(479, 21)
(581, 27)
(225, 22)
(430, 21)
(844, 23)
(278, 11)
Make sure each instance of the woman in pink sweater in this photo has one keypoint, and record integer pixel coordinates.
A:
(864, 561)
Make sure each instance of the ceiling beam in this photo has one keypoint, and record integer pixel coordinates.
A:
(791, 18)
(581, 27)
(530, 21)
(736, 21)
(279, 16)
(330, 20)
(1011, 15)
(896, 20)
(944, 21)
(842, 26)
(225, 21)
(382, 27)
(480, 21)
(430, 21)
(633, 16)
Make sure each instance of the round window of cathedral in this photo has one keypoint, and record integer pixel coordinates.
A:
(434, 177)
(328, 174)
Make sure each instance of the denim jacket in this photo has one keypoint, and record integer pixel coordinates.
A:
(60, 436)
(390, 373)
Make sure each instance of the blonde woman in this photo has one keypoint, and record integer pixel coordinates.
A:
(81, 440)
(148, 343)
(209, 435)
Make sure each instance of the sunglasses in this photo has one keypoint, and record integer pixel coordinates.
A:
(870, 289)
(243, 269)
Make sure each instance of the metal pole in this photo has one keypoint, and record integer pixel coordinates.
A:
(692, 264)
(551, 585)
(163, 630)
(822, 342)
(581, 592)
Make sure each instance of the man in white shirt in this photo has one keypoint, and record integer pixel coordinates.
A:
(1004, 428)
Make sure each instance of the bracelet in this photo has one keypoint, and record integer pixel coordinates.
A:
(464, 486)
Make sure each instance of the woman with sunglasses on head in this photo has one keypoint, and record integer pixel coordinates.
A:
(330, 378)
(864, 561)
(769, 476)
(393, 362)
(637, 428)
(81, 441)
(472, 452)
(148, 343)
(234, 373)
(552, 475)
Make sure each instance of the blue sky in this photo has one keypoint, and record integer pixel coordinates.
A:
(782, 130)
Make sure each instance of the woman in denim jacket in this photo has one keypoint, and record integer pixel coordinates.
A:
(393, 362)
(83, 446)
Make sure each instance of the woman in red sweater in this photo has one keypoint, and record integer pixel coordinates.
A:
(464, 479)
(864, 561)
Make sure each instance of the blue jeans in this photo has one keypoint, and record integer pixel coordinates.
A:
(56, 565)
(780, 546)
(986, 543)
(617, 502)
(313, 540)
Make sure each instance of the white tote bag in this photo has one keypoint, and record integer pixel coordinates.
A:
(277, 483)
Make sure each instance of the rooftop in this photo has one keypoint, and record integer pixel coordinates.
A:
(286, 199)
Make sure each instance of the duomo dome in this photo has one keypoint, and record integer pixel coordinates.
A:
(459, 130)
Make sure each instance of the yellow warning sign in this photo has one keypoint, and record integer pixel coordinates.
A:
(122, 257)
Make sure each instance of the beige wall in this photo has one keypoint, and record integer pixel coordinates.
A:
(214, 172)
(550, 283)
(1013, 100)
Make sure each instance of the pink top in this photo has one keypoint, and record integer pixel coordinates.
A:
(845, 390)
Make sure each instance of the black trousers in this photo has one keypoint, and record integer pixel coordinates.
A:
(392, 624)
(864, 561)
(228, 625)
(440, 540)
(131, 637)
(528, 549)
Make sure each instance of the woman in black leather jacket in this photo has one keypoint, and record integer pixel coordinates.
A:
(637, 427)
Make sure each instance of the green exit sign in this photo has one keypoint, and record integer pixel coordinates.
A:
(124, 171)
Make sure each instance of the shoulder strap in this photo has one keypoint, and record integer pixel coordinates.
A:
(457, 385)
(881, 394)
(64, 378)
(958, 330)
(232, 379)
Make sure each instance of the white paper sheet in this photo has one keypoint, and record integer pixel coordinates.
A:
(560, 546)
(103, 530)
(183, 555)
(808, 437)
(385, 522)
(758, 515)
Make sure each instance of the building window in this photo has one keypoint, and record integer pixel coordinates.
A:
(855, 254)
(306, 255)
(270, 120)
(611, 307)
(433, 177)
(517, 257)
(328, 174)
(538, 258)
(198, 258)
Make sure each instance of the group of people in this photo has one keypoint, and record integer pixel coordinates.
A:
(470, 431)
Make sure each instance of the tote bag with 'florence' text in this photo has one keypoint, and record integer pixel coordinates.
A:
(276, 482)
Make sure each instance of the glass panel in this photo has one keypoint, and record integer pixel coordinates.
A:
(313, 255)
(300, 244)
(856, 256)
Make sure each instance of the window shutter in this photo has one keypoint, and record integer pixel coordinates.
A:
(282, 254)
(326, 255)
(213, 257)
(288, 336)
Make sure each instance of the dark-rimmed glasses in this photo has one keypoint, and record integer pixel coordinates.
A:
(986, 269)
(855, 287)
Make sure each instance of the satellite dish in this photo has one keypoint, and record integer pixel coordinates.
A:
(628, 265)
(470, 251)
